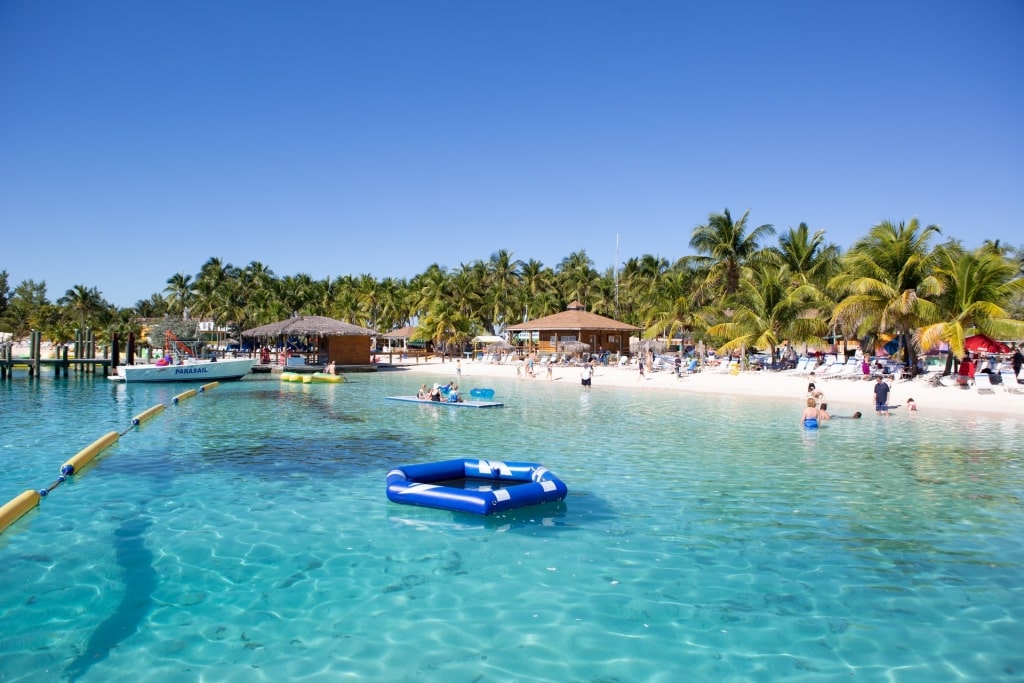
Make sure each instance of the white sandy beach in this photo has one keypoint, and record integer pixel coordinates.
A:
(843, 396)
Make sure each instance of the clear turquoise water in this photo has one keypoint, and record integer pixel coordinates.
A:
(244, 535)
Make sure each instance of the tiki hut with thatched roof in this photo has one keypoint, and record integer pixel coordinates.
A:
(577, 325)
(331, 340)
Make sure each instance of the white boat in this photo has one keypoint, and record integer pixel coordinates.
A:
(188, 370)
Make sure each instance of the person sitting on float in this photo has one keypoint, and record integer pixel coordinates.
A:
(435, 393)
(453, 394)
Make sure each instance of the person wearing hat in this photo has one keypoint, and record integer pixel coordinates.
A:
(435, 393)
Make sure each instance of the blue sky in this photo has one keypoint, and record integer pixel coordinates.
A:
(138, 139)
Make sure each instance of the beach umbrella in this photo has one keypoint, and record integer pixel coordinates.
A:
(982, 343)
(500, 345)
(644, 345)
(574, 347)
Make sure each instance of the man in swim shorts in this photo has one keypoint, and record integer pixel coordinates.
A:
(881, 397)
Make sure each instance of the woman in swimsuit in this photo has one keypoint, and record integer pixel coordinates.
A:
(809, 419)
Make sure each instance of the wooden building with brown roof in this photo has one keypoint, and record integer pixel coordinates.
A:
(577, 325)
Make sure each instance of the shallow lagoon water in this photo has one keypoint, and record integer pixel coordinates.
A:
(244, 535)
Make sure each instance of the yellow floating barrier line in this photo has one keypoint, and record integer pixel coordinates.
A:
(211, 385)
(146, 414)
(16, 507)
(185, 394)
(79, 460)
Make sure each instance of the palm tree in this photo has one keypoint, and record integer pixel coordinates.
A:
(466, 293)
(392, 299)
(296, 292)
(768, 310)
(217, 270)
(637, 282)
(444, 324)
(179, 293)
(502, 280)
(724, 248)
(672, 310)
(977, 286)
(430, 287)
(576, 275)
(810, 258)
(540, 292)
(368, 307)
(153, 307)
(83, 302)
(889, 282)
(23, 307)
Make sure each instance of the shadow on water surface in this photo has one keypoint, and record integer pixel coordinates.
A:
(556, 517)
(139, 581)
(291, 455)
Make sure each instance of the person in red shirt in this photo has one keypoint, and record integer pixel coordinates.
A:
(966, 371)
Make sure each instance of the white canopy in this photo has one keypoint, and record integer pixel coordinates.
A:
(487, 339)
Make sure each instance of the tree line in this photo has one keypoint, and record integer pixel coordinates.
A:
(743, 287)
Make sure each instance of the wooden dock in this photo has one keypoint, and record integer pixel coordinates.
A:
(85, 359)
(61, 366)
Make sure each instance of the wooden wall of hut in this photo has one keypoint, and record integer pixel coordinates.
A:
(613, 342)
(349, 350)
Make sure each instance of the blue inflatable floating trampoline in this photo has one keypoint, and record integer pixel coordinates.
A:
(478, 486)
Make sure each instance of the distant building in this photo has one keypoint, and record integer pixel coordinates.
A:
(577, 325)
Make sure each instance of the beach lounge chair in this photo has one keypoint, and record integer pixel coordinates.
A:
(849, 369)
(983, 383)
(1010, 383)
(833, 369)
(662, 363)
(803, 367)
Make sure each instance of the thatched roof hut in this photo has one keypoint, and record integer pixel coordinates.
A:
(335, 340)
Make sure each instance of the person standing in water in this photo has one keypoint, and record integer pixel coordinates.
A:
(881, 397)
(586, 374)
(809, 418)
